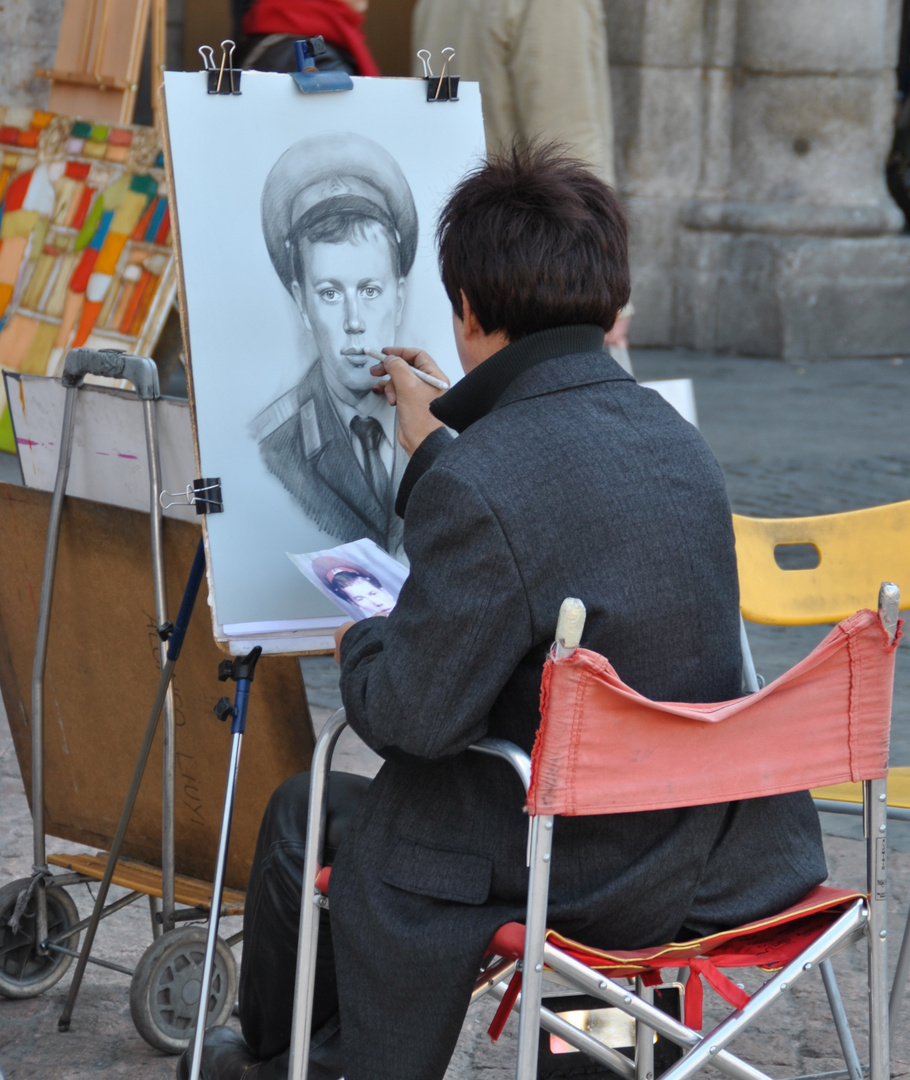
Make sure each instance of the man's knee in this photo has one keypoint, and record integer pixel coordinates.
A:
(285, 818)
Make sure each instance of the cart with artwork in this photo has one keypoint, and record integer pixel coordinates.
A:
(102, 664)
(384, 155)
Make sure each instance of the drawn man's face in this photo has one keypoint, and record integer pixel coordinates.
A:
(351, 299)
(372, 599)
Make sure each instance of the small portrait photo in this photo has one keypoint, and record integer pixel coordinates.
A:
(360, 577)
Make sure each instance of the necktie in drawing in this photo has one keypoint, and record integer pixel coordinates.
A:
(368, 431)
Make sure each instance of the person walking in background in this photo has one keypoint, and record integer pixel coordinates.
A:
(543, 74)
(267, 30)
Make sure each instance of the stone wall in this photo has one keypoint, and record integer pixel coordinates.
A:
(751, 140)
(28, 39)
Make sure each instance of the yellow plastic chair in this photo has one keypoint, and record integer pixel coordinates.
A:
(853, 552)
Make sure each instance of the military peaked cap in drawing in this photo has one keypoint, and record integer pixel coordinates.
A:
(327, 566)
(343, 171)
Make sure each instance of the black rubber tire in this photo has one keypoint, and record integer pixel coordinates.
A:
(165, 988)
(24, 972)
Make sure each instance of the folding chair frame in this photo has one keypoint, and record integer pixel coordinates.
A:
(866, 917)
(833, 806)
(857, 549)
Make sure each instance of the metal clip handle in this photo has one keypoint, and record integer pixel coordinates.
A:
(112, 364)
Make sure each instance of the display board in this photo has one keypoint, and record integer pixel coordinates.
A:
(305, 225)
(101, 677)
(109, 460)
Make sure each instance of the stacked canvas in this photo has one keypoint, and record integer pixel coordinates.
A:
(85, 241)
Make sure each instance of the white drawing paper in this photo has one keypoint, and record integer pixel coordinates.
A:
(306, 231)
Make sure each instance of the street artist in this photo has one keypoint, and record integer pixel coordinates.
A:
(566, 479)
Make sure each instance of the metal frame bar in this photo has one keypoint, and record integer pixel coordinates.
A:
(311, 902)
(710, 1048)
(143, 374)
(854, 1068)
(241, 671)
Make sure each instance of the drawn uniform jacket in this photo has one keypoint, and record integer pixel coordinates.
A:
(305, 445)
(568, 479)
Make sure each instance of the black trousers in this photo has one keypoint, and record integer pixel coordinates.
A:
(270, 928)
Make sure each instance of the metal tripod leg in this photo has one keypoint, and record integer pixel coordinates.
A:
(241, 670)
(143, 374)
(168, 902)
(173, 652)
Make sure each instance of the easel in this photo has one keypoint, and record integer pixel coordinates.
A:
(99, 57)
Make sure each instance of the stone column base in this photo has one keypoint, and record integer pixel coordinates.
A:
(746, 283)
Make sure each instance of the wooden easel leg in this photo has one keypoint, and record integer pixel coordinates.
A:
(159, 51)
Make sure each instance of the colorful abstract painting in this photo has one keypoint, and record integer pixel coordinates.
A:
(85, 241)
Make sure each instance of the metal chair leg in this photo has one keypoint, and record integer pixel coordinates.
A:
(839, 1013)
(899, 986)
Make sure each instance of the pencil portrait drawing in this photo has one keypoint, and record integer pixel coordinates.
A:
(341, 229)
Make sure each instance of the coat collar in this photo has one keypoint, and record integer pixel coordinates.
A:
(494, 381)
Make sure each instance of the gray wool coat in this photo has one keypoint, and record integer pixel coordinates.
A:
(568, 479)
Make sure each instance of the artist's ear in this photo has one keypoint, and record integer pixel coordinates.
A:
(472, 327)
(297, 293)
(402, 294)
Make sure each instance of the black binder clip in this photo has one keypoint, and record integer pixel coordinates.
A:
(204, 494)
(207, 496)
(445, 87)
(226, 78)
(308, 78)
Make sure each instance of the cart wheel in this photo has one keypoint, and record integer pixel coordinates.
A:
(164, 993)
(24, 972)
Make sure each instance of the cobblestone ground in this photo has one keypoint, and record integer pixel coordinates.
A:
(793, 439)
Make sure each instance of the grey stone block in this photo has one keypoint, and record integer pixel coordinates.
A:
(810, 139)
(674, 33)
(717, 123)
(28, 40)
(790, 219)
(726, 292)
(659, 32)
(18, 84)
(659, 141)
(652, 253)
(833, 37)
(847, 297)
(794, 297)
(36, 22)
(625, 30)
(698, 262)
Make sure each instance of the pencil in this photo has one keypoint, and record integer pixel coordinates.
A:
(430, 380)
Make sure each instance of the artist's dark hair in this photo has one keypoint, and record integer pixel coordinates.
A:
(345, 577)
(536, 241)
(340, 220)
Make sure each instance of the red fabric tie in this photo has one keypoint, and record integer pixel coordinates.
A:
(505, 1007)
(727, 989)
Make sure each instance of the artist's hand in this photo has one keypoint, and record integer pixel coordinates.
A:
(411, 396)
(339, 634)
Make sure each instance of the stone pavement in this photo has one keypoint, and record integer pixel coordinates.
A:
(793, 438)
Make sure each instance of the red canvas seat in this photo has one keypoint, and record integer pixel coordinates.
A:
(767, 944)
